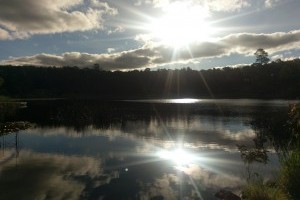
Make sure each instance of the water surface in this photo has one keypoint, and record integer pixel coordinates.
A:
(138, 149)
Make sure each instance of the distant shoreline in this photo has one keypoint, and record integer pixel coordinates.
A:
(276, 80)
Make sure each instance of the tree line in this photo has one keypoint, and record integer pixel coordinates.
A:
(280, 79)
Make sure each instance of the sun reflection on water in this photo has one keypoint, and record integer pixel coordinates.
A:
(183, 161)
(184, 100)
(179, 156)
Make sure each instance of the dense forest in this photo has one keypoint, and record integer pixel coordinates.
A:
(280, 79)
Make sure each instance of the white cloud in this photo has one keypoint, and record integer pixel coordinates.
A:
(153, 54)
(271, 3)
(111, 50)
(283, 57)
(227, 5)
(233, 66)
(104, 7)
(155, 3)
(21, 19)
(4, 35)
(118, 29)
(213, 5)
(277, 56)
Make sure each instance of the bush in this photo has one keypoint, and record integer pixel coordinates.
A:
(289, 176)
(256, 190)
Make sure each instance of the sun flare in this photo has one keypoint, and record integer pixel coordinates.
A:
(181, 25)
(178, 156)
(185, 100)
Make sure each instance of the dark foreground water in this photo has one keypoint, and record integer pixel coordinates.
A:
(155, 149)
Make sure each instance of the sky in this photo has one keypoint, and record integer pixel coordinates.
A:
(156, 34)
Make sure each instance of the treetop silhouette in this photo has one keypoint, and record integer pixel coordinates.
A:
(261, 56)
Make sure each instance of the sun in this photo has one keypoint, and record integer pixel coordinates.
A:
(181, 25)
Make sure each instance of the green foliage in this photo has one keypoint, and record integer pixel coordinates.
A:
(290, 170)
(294, 125)
(289, 176)
(287, 184)
(257, 190)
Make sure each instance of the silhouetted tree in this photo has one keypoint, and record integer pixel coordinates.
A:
(274, 80)
(261, 56)
(1, 81)
(97, 67)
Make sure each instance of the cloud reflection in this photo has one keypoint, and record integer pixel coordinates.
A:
(211, 179)
(193, 182)
(194, 132)
(45, 176)
(164, 187)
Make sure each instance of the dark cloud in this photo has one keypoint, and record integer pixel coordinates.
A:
(152, 54)
(245, 42)
(123, 60)
(24, 18)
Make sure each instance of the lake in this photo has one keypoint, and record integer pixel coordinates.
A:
(137, 149)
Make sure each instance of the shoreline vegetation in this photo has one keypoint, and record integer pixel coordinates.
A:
(285, 185)
(5, 99)
(275, 80)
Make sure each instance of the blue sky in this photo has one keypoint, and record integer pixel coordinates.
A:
(135, 34)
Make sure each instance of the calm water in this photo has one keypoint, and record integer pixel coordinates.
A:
(154, 149)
